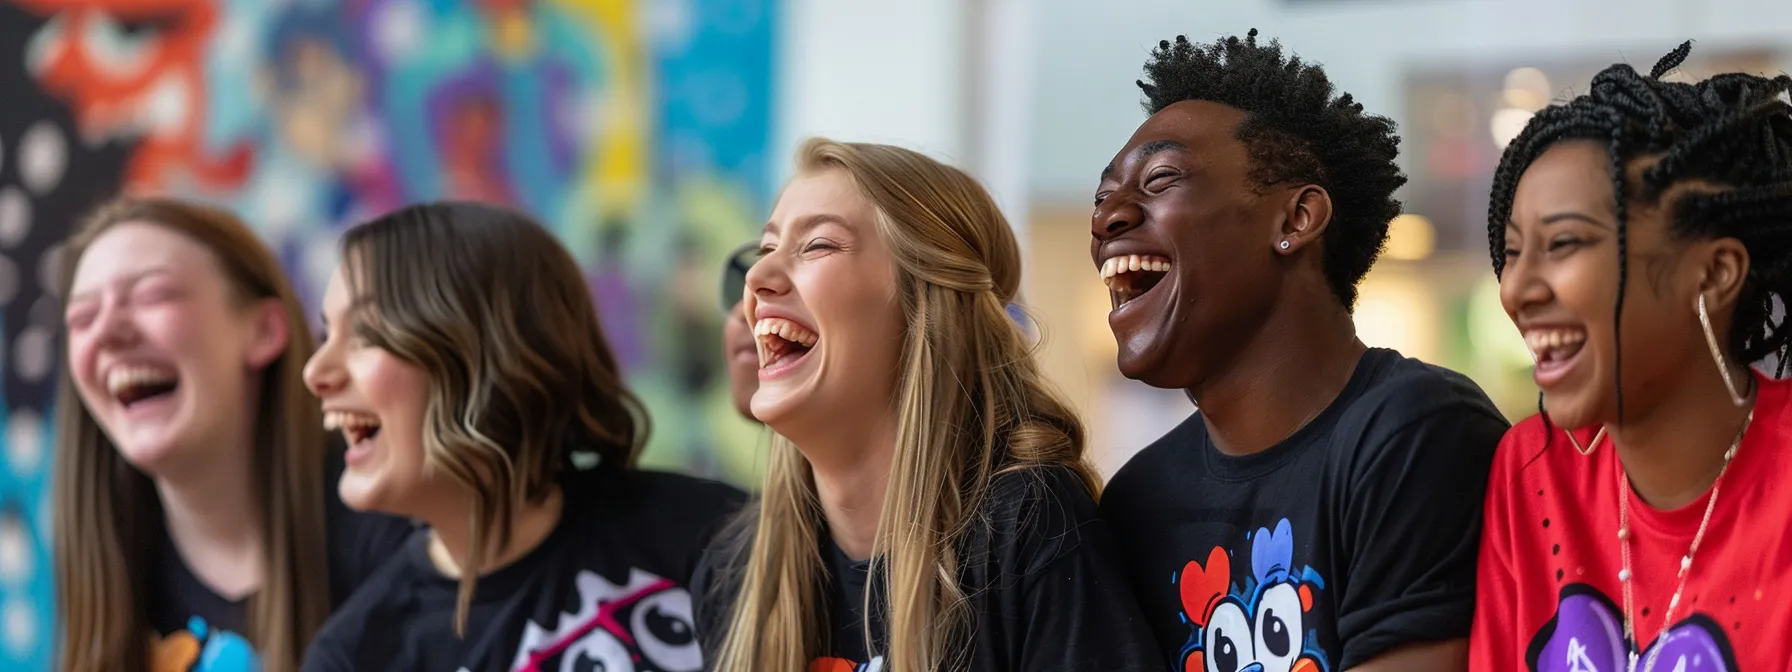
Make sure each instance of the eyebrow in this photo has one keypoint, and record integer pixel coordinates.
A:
(1558, 217)
(807, 222)
(1146, 150)
(128, 280)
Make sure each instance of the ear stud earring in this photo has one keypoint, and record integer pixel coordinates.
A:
(1285, 244)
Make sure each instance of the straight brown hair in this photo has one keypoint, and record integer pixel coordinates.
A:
(108, 518)
(497, 314)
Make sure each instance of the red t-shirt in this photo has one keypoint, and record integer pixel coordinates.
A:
(1548, 596)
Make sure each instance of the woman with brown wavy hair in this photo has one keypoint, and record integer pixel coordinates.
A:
(193, 520)
(927, 505)
(466, 366)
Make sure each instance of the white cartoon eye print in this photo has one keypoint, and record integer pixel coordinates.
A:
(597, 651)
(1229, 642)
(663, 628)
(1279, 628)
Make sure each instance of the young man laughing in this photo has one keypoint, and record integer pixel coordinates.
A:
(1321, 510)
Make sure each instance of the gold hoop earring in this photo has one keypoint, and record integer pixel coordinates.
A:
(1588, 449)
(1717, 355)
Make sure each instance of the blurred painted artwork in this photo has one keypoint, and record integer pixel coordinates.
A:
(638, 129)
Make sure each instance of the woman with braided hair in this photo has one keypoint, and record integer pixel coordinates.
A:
(1642, 234)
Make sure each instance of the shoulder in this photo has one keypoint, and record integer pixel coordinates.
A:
(1404, 402)
(1402, 390)
(658, 496)
(1036, 514)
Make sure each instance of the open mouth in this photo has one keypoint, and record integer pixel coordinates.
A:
(1554, 348)
(355, 427)
(132, 385)
(782, 341)
(1130, 276)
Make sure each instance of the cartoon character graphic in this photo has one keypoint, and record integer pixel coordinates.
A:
(199, 648)
(844, 665)
(1587, 635)
(137, 68)
(644, 625)
(1256, 626)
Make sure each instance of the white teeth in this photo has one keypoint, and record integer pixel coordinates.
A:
(122, 378)
(1540, 340)
(787, 330)
(1128, 263)
(334, 420)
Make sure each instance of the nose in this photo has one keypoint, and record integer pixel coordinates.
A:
(1253, 667)
(1116, 214)
(113, 325)
(1522, 287)
(769, 276)
(323, 376)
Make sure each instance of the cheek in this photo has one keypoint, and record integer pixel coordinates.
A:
(395, 388)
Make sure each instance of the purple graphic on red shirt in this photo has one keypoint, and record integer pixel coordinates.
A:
(1587, 635)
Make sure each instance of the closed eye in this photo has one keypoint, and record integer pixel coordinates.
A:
(1563, 243)
(1156, 179)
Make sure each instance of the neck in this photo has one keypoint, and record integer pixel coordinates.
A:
(214, 519)
(1293, 368)
(530, 525)
(852, 472)
(1672, 450)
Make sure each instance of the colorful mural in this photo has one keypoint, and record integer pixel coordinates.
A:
(637, 128)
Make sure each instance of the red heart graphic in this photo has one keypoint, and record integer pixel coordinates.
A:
(1202, 587)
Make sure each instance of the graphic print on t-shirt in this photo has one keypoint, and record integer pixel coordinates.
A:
(1587, 634)
(199, 648)
(1258, 618)
(644, 626)
(844, 665)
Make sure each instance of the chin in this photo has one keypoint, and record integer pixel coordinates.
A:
(150, 455)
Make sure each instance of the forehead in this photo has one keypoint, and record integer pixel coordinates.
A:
(824, 192)
(132, 249)
(1570, 174)
(1207, 129)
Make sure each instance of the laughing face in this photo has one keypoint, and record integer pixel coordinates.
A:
(1560, 286)
(1185, 244)
(157, 340)
(823, 305)
(377, 401)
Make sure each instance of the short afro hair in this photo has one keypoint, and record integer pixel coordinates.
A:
(1296, 132)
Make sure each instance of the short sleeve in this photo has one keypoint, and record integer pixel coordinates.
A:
(1410, 529)
(1492, 642)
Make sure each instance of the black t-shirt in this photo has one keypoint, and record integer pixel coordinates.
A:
(199, 630)
(604, 591)
(1354, 536)
(1045, 587)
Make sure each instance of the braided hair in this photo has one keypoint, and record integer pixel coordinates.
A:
(1295, 132)
(1732, 131)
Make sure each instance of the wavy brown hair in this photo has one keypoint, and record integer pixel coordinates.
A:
(971, 404)
(497, 314)
(108, 518)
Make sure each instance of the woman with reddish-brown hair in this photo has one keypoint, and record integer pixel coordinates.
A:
(194, 519)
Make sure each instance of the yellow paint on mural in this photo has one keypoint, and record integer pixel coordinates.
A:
(618, 168)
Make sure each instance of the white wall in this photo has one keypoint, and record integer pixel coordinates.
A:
(1090, 53)
(871, 71)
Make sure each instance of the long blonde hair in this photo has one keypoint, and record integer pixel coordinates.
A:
(108, 517)
(497, 314)
(970, 404)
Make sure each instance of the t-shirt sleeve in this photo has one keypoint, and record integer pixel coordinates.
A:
(326, 654)
(1072, 608)
(1492, 643)
(1410, 529)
